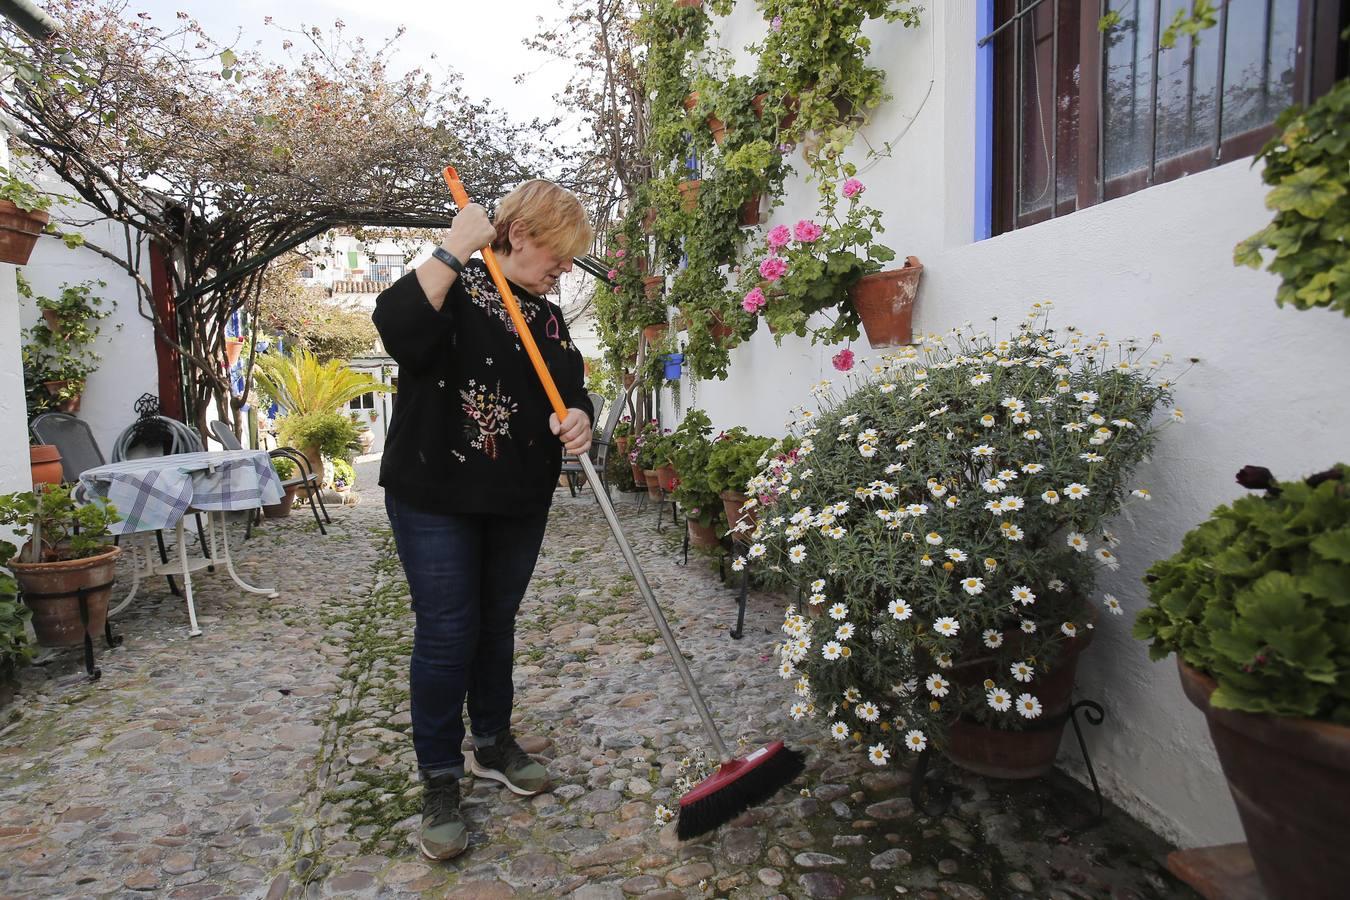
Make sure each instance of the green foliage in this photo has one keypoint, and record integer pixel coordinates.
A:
(1307, 165)
(1258, 597)
(344, 476)
(22, 194)
(735, 457)
(640, 450)
(1189, 22)
(333, 433)
(65, 529)
(949, 510)
(285, 469)
(61, 353)
(304, 384)
(15, 649)
(691, 445)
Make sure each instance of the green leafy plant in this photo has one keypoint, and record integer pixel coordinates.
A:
(22, 194)
(1258, 598)
(344, 476)
(1307, 165)
(305, 385)
(691, 444)
(57, 355)
(332, 433)
(949, 511)
(284, 468)
(735, 457)
(640, 449)
(64, 529)
(15, 648)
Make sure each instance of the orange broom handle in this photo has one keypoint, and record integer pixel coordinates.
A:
(461, 198)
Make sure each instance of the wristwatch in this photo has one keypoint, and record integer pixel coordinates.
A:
(449, 259)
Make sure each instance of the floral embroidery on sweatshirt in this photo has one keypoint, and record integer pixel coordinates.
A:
(483, 293)
(489, 416)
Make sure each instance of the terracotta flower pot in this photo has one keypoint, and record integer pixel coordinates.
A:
(653, 285)
(1030, 752)
(49, 590)
(653, 482)
(1290, 779)
(688, 4)
(283, 509)
(70, 404)
(53, 320)
(749, 212)
(233, 347)
(732, 501)
(665, 477)
(19, 231)
(45, 461)
(689, 194)
(639, 479)
(653, 332)
(885, 302)
(700, 535)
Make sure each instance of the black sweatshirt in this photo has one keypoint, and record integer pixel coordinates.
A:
(469, 433)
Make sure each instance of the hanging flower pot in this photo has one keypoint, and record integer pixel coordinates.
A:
(653, 332)
(689, 194)
(719, 330)
(748, 214)
(53, 320)
(648, 223)
(688, 4)
(653, 482)
(19, 231)
(70, 404)
(45, 461)
(652, 286)
(885, 303)
(674, 366)
(233, 347)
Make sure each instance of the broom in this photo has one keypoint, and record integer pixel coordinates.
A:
(738, 783)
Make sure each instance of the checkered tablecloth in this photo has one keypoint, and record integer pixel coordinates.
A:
(155, 492)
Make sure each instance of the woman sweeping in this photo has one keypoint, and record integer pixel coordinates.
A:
(470, 465)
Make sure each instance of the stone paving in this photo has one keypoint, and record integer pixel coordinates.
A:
(270, 757)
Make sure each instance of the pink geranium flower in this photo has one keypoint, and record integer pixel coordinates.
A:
(843, 360)
(806, 231)
(853, 187)
(772, 268)
(754, 301)
(621, 253)
(778, 237)
(617, 289)
(613, 274)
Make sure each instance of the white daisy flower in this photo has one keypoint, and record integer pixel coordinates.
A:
(664, 814)
(738, 564)
(947, 626)
(1011, 531)
(1056, 585)
(1033, 468)
(1113, 605)
(852, 695)
(982, 450)
(1141, 493)
(916, 428)
(1077, 542)
(816, 599)
(832, 650)
(887, 387)
(900, 609)
(755, 551)
(1032, 434)
(867, 451)
(818, 585)
(957, 555)
(1022, 671)
(944, 661)
(936, 489)
(1107, 558)
(987, 420)
(839, 612)
(1013, 404)
(1021, 417)
(937, 685)
(1178, 416)
(1085, 397)
(868, 711)
(1090, 459)
(878, 754)
(994, 506)
(993, 485)
(999, 699)
(1012, 503)
(1028, 626)
(844, 632)
(797, 712)
(1028, 706)
(1050, 497)
(952, 502)
(1023, 595)
(917, 509)
(982, 378)
(839, 731)
(993, 639)
(1069, 629)
(972, 586)
(915, 741)
(786, 670)
(797, 553)
(933, 538)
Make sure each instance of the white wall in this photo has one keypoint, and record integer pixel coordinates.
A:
(126, 339)
(1266, 390)
(14, 471)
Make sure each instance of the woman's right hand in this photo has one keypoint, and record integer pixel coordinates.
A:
(470, 231)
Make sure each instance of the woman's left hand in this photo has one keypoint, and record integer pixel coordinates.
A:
(574, 432)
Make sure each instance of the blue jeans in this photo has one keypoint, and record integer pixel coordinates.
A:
(467, 575)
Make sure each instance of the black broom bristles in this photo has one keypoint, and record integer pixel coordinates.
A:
(739, 794)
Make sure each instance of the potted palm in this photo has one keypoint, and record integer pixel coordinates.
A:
(68, 553)
(945, 520)
(1255, 606)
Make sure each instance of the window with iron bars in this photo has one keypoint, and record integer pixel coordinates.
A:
(1083, 115)
(387, 267)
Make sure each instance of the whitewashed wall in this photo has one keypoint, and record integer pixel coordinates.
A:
(1268, 390)
(14, 471)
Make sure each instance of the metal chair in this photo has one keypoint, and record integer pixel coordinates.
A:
(307, 479)
(79, 451)
(599, 452)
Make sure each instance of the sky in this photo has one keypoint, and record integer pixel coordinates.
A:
(480, 40)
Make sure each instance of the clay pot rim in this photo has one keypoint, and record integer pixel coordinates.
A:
(44, 453)
(110, 552)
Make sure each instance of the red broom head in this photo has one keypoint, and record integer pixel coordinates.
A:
(735, 787)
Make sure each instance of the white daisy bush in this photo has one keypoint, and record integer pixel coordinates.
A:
(951, 532)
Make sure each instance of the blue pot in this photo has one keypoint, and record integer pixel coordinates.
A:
(674, 365)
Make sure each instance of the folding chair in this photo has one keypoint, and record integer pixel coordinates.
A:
(308, 479)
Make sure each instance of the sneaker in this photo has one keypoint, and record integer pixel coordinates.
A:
(504, 761)
(443, 834)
